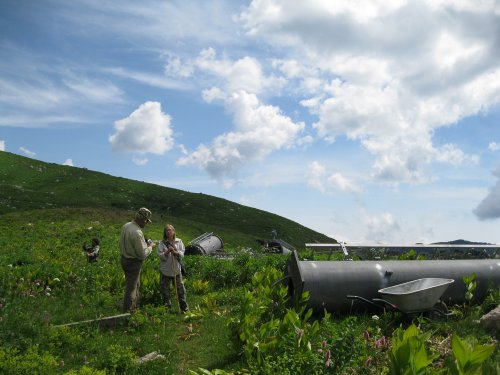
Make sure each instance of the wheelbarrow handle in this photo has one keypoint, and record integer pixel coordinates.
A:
(365, 300)
(387, 303)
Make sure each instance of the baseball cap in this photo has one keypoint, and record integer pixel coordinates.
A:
(144, 213)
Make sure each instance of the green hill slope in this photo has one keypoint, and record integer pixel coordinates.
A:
(28, 184)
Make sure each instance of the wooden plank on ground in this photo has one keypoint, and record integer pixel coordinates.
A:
(108, 321)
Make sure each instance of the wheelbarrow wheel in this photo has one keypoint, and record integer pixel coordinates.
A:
(440, 310)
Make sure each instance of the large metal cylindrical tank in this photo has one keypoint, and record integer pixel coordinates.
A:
(205, 244)
(329, 282)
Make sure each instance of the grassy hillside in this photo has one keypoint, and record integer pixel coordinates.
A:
(28, 184)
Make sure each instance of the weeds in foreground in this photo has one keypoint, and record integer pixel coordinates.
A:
(236, 306)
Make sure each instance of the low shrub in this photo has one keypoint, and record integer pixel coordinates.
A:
(117, 358)
(31, 362)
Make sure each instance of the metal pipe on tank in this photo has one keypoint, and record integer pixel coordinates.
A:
(329, 282)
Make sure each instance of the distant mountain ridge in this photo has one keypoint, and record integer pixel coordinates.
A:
(29, 184)
(461, 242)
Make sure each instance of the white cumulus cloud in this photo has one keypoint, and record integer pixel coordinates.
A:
(342, 183)
(260, 130)
(368, 85)
(68, 162)
(146, 130)
(225, 75)
(244, 74)
(2, 145)
(489, 207)
(317, 177)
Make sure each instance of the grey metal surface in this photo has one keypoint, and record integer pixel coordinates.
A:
(206, 244)
(329, 282)
(420, 294)
(280, 246)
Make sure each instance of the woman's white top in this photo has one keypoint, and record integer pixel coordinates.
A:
(169, 266)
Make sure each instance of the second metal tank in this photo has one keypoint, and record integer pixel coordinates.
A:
(206, 244)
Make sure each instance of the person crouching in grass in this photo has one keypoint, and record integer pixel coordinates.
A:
(92, 251)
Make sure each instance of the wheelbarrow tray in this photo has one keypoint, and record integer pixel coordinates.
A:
(416, 295)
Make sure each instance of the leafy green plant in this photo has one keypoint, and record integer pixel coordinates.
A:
(408, 354)
(200, 286)
(63, 338)
(203, 371)
(469, 357)
(491, 300)
(117, 359)
(275, 336)
(411, 255)
(85, 370)
(350, 342)
(34, 361)
(470, 287)
(138, 320)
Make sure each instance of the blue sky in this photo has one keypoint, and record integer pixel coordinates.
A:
(369, 121)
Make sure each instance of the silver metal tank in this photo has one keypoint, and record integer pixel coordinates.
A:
(329, 282)
(280, 247)
(206, 244)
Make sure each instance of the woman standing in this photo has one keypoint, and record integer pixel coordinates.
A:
(171, 252)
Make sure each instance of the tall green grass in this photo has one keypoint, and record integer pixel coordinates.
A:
(238, 321)
(45, 282)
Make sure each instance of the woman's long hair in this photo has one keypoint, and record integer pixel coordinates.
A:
(165, 238)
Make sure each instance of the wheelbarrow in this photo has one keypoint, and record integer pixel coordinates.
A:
(416, 296)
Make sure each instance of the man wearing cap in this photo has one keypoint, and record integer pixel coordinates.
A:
(134, 250)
